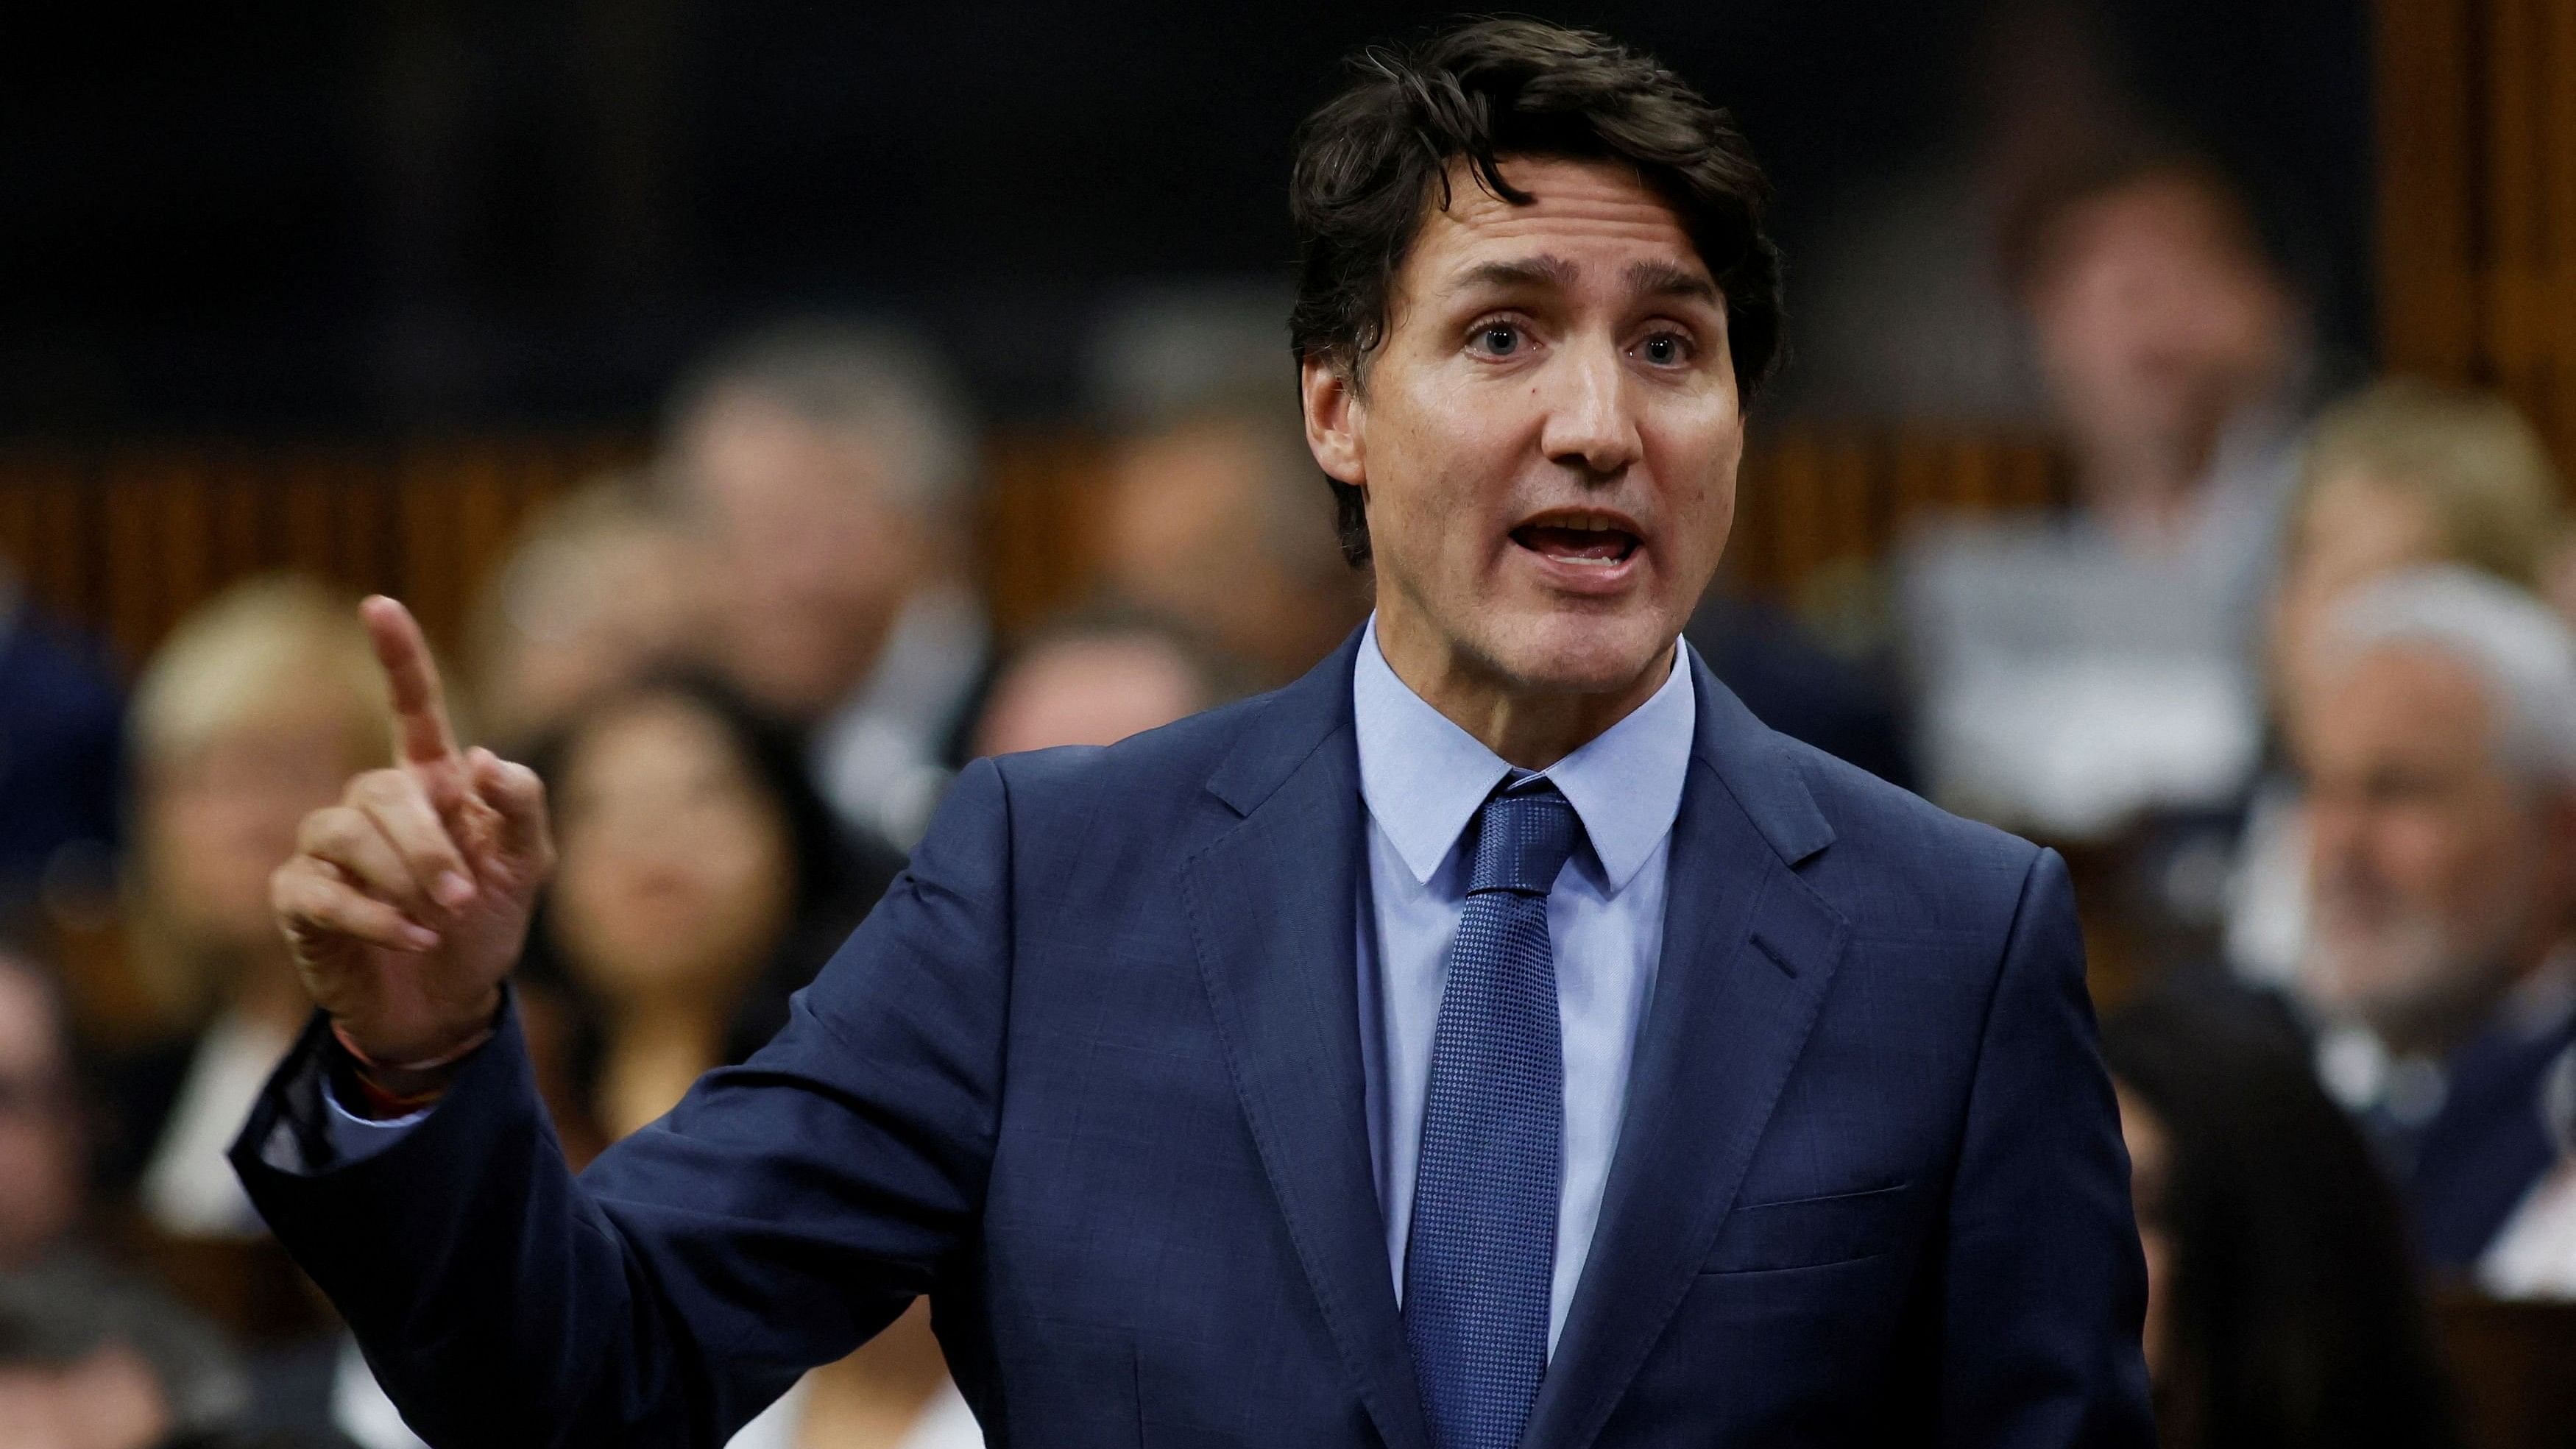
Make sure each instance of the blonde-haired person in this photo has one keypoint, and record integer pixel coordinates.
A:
(599, 589)
(2401, 474)
(255, 710)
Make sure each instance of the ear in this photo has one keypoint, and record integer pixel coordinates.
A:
(1336, 421)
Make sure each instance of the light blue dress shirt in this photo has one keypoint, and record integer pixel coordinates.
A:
(1423, 779)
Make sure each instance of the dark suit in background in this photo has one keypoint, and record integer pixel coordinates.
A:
(62, 750)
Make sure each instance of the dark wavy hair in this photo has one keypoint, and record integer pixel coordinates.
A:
(1373, 159)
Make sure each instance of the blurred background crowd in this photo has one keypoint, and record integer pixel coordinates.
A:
(770, 411)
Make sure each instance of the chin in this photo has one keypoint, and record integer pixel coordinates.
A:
(1561, 651)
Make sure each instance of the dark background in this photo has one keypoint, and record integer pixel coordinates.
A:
(281, 218)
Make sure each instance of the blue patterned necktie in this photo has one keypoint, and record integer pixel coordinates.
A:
(1481, 1253)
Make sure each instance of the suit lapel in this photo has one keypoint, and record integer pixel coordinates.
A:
(1273, 906)
(1749, 950)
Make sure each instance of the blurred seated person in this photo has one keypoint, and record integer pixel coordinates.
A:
(828, 470)
(702, 882)
(600, 589)
(61, 751)
(257, 708)
(2080, 672)
(1216, 514)
(44, 1147)
(92, 1363)
(2282, 1300)
(2400, 475)
(1095, 679)
(82, 1345)
(2436, 729)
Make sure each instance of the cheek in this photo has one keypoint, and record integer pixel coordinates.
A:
(742, 866)
(2445, 857)
(1696, 457)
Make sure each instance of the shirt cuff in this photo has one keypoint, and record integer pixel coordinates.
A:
(355, 1138)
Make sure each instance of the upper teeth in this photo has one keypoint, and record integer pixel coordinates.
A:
(1588, 523)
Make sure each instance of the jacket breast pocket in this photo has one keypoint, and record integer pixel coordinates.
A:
(1812, 1232)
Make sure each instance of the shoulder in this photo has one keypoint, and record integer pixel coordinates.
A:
(1900, 865)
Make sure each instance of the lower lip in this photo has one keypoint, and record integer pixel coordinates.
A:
(1572, 576)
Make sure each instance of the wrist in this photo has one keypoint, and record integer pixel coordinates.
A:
(394, 1082)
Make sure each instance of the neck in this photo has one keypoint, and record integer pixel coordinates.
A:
(1529, 728)
(2145, 492)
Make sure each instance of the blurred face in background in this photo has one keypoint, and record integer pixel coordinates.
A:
(1197, 528)
(583, 614)
(41, 1162)
(1547, 436)
(813, 548)
(2353, 528)
(221, 814)
(2156, 318)
(1089, 691)
(107, 1400)
(2438, 873)
(677, 873)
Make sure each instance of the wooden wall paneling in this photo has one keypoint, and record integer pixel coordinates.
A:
(46, 539)
(2513, 211)
(241, 525)
(1852, 523)
(137, 606)
(1752, 546)
(1036, 525)
(430, 549)
(2557, 283)
(1793, 492)
(2427, 208)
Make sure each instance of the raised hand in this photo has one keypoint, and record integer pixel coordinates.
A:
(407, 903)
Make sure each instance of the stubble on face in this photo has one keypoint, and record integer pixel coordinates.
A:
(1548, 438)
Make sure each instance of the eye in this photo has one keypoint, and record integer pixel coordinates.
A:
(1497, 339)
(1665, 349)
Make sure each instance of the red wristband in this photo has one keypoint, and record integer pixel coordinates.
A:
(382, 1101)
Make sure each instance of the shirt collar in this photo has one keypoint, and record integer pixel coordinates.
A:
(1424, 778)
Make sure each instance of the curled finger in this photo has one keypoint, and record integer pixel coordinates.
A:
(314, 905)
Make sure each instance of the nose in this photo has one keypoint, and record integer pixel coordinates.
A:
(1589, 426)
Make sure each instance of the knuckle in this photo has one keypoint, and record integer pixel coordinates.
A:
(378, 788)
(328, 830)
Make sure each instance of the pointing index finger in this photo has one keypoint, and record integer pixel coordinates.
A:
(421, 732)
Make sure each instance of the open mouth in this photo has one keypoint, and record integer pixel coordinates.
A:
(1596, 540)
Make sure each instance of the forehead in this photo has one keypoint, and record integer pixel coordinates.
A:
(2156, 218)
(649, 732)
(1581, 211)
(2400, 701)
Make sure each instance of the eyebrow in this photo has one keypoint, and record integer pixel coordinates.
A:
(1647, 278)
(1539, 271)
(1663, 279)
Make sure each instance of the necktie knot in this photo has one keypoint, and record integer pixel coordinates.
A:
(1524, 835)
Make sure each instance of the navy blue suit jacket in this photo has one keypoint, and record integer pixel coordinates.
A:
(1090, 1078)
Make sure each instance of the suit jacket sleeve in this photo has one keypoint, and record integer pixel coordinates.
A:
(2044, 1286)
(787, 1209)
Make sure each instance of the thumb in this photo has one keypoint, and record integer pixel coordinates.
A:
(517, 798)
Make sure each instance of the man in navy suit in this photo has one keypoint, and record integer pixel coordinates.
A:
(1495, 1038)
